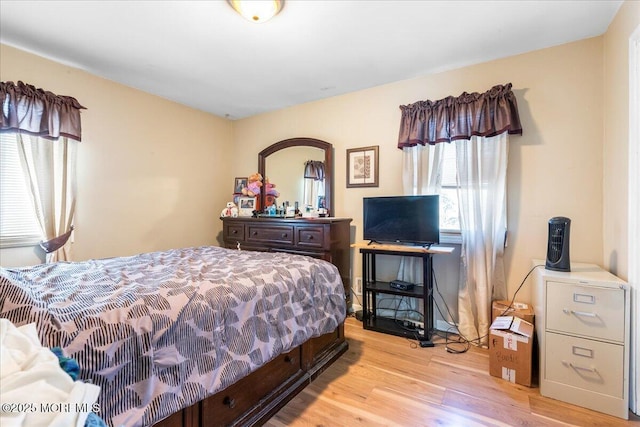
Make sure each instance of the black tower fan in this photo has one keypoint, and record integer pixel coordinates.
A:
(558, 244)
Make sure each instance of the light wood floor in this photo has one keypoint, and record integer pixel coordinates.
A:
(385, 380)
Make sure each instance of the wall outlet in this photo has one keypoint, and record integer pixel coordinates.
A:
(357, 289)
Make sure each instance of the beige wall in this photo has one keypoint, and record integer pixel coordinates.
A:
(160, 179)
(152, 174)
(616, 138)
(555, 168)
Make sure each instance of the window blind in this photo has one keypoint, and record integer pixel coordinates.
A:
(18, 223)
(449, 213)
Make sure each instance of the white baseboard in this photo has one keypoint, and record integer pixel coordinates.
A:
(443, 326)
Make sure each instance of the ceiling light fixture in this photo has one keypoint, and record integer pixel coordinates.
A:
(257, 11)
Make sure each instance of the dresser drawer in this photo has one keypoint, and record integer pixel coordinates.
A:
(234, 232)
(586, 310)
(585, 364)
(319, 345)
(270, 234)
(229, 404)
(311, 237)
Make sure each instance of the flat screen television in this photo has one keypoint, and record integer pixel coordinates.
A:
(402, 219)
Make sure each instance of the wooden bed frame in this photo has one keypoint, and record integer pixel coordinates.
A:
(257, 397)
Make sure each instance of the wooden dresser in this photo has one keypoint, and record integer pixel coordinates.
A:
(324, 238)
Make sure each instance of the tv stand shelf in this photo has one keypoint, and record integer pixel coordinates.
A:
(385, 287)
(371, 288)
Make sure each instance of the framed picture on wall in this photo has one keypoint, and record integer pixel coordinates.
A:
(239, 184)
(362, 167)
(246, 206)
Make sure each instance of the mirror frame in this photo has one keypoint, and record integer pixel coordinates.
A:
(302, 142)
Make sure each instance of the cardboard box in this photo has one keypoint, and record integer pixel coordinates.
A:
(518, 309)
(511, 350)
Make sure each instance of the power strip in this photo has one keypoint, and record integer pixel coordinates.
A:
(411, 325)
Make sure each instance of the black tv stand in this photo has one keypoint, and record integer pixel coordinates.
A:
(372, 287)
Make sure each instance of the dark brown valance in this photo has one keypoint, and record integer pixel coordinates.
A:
(39, 112)
(314, 169)
(487, 114)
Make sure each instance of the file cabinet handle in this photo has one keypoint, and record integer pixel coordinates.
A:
(579, 313)
(581, 368)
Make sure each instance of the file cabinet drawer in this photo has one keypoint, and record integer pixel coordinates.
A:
(586, 364)
(589, 311)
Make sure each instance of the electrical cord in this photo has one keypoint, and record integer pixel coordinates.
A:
(356, 296)
(450, 342)
(462, 339)
(506, 310)
(407, 325)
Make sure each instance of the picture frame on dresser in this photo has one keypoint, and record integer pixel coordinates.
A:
(246, 206)
(239, 183)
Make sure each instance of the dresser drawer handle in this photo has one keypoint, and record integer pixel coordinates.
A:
(230, 402)
(255, 233)
(579, 313)
(289, 359)
(309, 237)
(284, 235)
(234, 232)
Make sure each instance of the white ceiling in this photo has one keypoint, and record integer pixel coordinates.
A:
(202, 54)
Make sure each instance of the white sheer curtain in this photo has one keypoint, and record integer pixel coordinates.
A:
(481, 178)
(50, 172)
(482, 168)
(422, 166)
(312, 190)
(313, 183)
(422, 169)
(481, 174)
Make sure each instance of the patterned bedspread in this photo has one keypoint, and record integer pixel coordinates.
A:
(161, 331)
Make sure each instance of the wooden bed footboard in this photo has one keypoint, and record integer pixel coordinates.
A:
(257, 397)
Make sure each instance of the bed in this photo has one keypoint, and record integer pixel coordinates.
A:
(186, 337)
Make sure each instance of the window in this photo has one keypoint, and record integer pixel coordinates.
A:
(449, 213)
(18, 223)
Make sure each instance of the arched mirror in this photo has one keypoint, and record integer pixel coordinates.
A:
(285, 165)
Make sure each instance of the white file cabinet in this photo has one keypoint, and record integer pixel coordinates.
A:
(582, 324)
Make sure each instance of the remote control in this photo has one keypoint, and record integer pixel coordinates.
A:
(402, 285)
